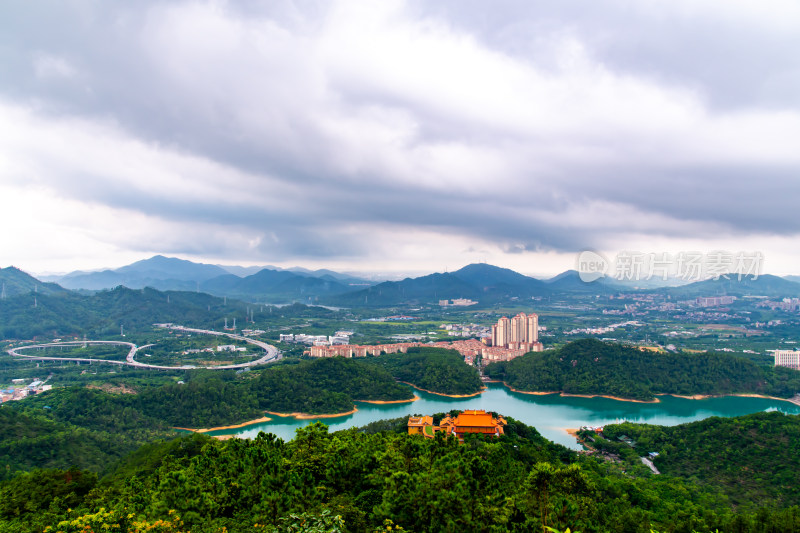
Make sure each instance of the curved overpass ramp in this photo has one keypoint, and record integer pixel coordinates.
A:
(270, 352)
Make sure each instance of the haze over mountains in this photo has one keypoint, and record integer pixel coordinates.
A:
(484, 283)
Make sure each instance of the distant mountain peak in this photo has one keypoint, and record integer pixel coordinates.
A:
(16, 281)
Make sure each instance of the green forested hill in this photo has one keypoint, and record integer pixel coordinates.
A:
(320, 386)
(589, 366)
(89, 428)
(353, 481)
(434, 369)
(323, 386)
(16, 282)
(754, 459)
(71, 427)
(102, 313)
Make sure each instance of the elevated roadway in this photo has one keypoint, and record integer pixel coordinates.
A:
(270, 352)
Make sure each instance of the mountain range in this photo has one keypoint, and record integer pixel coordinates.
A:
(484, 283)
(169, 273)
(14, 281)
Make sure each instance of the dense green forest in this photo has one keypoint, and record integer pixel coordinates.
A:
(589, 366)
(208, 399)
(361, 481)
(73, 426)
(34, 440)
(322, 386)
(433, 369)
(27, 316)
(102, 313)
(752, 459)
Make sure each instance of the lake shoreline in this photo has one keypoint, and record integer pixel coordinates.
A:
(447, 395)
(387, 402)
(552, 416)
(794, 401)
(263, 419)
(307, 416)
(568, 395)
(565, 395)
(223, 428)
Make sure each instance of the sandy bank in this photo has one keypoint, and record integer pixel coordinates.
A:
(654, 400)
(795, 400)
(380, 402)
(448, 395)
(306, 416)
(566, 395)
(535, 393)
(235, 426)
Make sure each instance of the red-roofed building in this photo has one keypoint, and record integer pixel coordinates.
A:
(469, 421)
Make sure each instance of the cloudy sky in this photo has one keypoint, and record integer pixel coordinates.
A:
(399, 135)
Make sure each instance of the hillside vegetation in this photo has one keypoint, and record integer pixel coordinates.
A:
(321, 386)
(753, 459)
(82, 428)
(591, 367)
(354, 481)
(325, 386)
(58, 315)
(434, 369)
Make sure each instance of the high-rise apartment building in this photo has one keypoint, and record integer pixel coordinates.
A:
(520, 332)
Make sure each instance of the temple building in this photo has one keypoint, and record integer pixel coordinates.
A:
(469, 421)
(420, 425)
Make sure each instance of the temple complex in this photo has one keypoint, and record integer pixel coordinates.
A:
(469, 421)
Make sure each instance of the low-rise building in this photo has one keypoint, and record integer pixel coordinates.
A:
(417, 424)
(788, 358)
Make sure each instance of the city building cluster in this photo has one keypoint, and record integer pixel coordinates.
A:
(644, 303)
(393, 318)
(518, 333)
(252, 332)
(469, 349)
(466, 330)
(714, 301)
(602, 330)
(220, 348)
(509, 338)
(458, 302)
(20, 390)
(338, 338)
(786, 304)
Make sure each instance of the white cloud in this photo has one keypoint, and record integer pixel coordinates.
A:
(363, 131)
(49, 66)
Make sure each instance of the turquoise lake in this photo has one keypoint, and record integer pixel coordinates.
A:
(549, 414)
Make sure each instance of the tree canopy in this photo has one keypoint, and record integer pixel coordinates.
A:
(589, 366)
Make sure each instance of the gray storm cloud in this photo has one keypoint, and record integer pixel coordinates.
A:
(319, 132)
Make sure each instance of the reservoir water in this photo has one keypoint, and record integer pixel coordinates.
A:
(550, 414)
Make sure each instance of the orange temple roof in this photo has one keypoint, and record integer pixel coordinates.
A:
(473, 418)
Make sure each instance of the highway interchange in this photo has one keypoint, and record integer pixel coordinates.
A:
(270, 352)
